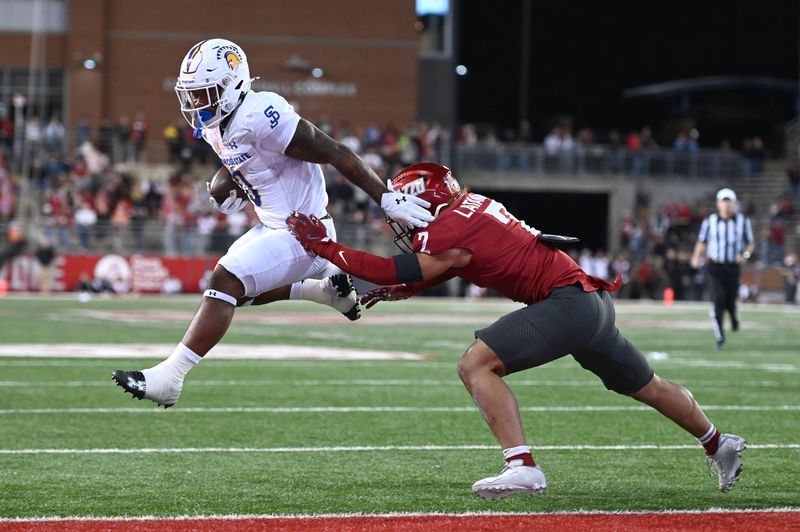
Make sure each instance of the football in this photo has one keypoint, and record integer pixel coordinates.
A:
(221, 185)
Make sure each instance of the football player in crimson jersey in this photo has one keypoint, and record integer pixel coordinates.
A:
(567, 312)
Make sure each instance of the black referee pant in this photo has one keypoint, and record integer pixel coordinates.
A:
(724, 290)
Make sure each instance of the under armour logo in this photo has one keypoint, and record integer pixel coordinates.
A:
(212, 293)
(400, 199)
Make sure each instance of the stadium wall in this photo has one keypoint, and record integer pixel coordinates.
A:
(368, 55)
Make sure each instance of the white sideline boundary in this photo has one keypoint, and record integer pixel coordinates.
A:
(581, 512)
(372, 409)
(374, 448)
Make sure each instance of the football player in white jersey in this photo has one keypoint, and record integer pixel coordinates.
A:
(274, 156)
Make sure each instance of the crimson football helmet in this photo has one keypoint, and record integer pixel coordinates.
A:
(430, 181)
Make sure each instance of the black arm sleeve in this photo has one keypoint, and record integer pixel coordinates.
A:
(408, 268)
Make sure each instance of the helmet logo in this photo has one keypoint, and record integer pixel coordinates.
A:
(414, 188)
(231, 55)
(232, 60)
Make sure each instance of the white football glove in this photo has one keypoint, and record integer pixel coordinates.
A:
(233, 203)
(406, 209)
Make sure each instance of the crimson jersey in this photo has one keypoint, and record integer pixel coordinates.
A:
(507, 255)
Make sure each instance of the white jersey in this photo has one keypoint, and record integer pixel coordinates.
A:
(252, 149)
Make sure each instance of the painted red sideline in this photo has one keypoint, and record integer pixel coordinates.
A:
(711, 522)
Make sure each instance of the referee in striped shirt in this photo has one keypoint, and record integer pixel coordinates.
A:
(727, 240)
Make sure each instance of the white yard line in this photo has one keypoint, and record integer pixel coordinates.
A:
(290, 355)
(391, 382)
(20, 361)
(298, 382)
(374, 409)
(729, 364)
(375, 448)
(223, 351)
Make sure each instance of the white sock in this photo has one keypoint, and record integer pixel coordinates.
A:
(310, 290)
(296, 292)
(178, 364)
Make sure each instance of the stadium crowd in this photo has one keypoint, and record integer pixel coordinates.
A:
(657, 242)
(91, 203)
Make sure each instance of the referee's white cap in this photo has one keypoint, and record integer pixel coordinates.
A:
(726, 194)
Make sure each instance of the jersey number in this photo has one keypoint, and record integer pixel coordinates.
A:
(423, 236)
(499, 212)
(245, 185)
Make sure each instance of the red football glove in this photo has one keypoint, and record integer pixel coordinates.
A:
(386, 293)
(309, 231)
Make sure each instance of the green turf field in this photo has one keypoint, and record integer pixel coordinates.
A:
(332, 436)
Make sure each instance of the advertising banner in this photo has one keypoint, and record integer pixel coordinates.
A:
(147, 274)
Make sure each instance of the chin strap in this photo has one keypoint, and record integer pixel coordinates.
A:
(202, 116)
(198, 131)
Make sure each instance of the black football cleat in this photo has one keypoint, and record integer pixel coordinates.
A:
(131, 382)
(344, 297)
(134, 383)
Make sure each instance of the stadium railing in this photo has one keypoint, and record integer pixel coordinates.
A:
(602, 160)
(153, 237)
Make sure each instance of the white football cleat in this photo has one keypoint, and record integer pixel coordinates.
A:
(341, 295)
(512, 479)
(728, 460)
(150, 384)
